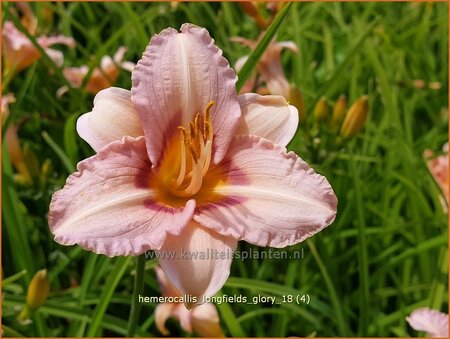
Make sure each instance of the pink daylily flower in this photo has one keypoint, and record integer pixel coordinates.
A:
(19, 52)
(269, 67)
(432, 322)
(101, 77)
(438, 167)
(185, 164)
(203, 320)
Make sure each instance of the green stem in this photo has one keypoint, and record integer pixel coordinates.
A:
(138, 287)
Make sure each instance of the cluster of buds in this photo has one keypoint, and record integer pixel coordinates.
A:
(340, 121)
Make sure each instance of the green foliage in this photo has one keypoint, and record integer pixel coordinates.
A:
(386, 253)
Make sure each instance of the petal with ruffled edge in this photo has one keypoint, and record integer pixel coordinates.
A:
(113, 117)
(108, 208)
(179, 74)
(433, 322)
(268, 116)
(197, 261)
(205, 321)
(269, 197)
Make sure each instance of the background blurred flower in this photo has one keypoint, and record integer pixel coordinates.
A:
(438, 167)
(19, 52)
(269, 69)
(203, 320)
(432, 322)
(101, 77)
(13, 143)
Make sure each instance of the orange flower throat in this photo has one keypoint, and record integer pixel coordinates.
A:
(189, 156)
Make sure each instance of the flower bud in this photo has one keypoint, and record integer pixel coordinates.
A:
(31, 161)
(46, 168)
(321, 110)
(36, 296)
(296, 99)
(338, 113)
(355, 118)
(38, 290)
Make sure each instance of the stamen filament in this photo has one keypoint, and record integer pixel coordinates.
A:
(195, 155)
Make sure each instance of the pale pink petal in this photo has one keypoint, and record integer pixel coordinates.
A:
(118, 57)
(179, 74)
(184, 317)
(271, 72)
(75, 75)
(434, 323)
(197, 261)
(47, 41)
(289, 45)
(113, 117)
(128, 66)
(167, 288)
(109, 207)
(162, 313)
(206, 322)
(107, 63)
(268, 116)
(7, 100)
(55, 55)
(266, 196)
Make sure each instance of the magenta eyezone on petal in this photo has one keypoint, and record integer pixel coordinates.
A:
(103, 208)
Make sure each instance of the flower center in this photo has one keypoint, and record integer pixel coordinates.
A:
(194, 156)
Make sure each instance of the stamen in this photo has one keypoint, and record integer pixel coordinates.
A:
(193, 165)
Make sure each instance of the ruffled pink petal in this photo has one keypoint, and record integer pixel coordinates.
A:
(162, 313)
(197, 261)
(268, 116)
(434, 323)
(112, 118)
(206, 322)
(269, 197)
(179, 74)
(107, 206)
